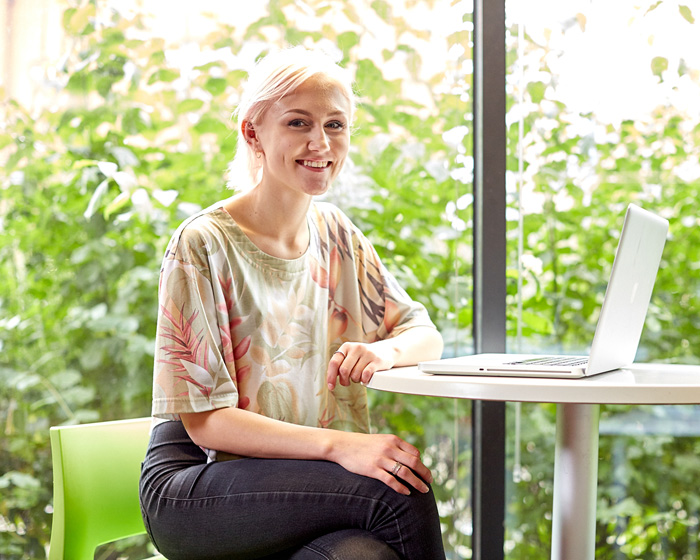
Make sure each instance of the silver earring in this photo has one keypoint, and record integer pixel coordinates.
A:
(258, 155)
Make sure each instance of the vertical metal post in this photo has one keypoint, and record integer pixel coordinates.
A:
(574, 505)
(488, 418)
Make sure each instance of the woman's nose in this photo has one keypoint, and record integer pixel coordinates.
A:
(319, 140)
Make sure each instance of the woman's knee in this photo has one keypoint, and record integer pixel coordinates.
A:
(349, 544)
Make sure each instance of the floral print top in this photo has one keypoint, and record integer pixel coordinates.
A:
(238, 327)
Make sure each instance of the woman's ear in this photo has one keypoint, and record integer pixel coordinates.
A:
(249, 133)
(251, 138)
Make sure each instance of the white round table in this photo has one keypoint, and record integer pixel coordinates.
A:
(578, 412)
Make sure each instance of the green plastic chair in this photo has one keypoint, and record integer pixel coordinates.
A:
(96, 471)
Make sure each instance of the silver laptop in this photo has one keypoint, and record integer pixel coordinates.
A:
(620, 323)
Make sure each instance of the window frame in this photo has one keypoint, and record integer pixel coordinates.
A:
(489, 298)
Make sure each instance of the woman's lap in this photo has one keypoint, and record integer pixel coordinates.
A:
(252, 508)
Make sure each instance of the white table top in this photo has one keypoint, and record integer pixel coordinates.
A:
(636, 384)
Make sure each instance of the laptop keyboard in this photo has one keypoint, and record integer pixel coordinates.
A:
(560, 361)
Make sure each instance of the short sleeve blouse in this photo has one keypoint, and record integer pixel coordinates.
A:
(238, 327)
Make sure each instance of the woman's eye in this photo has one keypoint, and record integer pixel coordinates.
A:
(336, 125)
(296, 123)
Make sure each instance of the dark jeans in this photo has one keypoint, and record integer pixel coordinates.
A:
(276, 509)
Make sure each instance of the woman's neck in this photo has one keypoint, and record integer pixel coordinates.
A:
(277, 225)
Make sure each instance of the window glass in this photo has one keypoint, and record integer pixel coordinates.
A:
(118, 125)
(603, 112)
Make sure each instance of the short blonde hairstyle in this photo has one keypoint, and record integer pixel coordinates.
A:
(274, 76)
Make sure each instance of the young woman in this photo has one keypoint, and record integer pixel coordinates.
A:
(274, 310)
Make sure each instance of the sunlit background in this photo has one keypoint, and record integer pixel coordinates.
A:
(116, 124)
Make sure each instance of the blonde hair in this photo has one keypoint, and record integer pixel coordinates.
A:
(274, 76)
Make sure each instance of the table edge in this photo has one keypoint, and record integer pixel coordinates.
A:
(629, 385)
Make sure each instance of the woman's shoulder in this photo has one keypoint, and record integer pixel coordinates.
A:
(201, 230)
(206, 221)
(337, 229)
(328, 215)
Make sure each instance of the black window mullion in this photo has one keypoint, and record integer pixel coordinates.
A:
(488, 418)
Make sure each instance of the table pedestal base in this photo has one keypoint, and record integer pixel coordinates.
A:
(575, 482)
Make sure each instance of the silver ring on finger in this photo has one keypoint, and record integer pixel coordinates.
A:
(396, 469)
(343, 354)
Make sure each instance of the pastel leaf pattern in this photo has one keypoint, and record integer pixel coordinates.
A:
(276, 401)
(197, 377)
(186, 345)
(335, 271)
(241, 348)
(236, 329)
(338, 324)
(318, 273)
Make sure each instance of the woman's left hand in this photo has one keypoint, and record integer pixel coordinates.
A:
(357, 362)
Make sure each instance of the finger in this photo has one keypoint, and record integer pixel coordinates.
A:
(392, 482)
(411, 458)
(344, 375)
(364, 368)
(359, 370)
(367, 373)
(347, 367)
(331, 375)
(406, 447)
(333, 367)
(406, 474)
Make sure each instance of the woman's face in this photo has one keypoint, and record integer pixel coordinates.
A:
(304, 138)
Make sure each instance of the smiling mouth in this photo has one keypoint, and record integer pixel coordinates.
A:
(314, 164)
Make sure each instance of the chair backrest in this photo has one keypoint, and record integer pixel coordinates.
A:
(96, 471)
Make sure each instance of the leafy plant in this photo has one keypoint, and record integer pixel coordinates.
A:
(140, 137)
(583, 171)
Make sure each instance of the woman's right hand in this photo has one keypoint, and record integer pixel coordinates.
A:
(377, 455)
(241, 432)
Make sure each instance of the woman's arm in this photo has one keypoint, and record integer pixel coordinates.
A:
(357, 361)
(241, 432)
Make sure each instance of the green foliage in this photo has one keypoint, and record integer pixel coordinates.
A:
(582, 172)
(93, 187)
